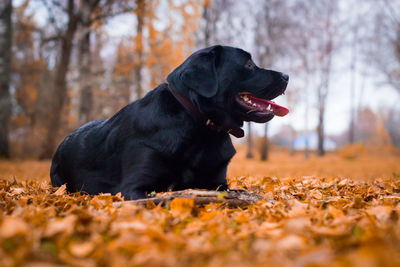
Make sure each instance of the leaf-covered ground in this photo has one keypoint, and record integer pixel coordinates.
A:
(316, 220)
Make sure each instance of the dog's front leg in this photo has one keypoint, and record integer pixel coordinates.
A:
(133, 194)
(136, 186)
(143, 171)
(213, 179)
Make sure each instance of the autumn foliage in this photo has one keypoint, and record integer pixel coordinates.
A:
(75, 79)
(314, 220)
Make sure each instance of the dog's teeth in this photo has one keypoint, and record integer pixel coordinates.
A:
(269, 107)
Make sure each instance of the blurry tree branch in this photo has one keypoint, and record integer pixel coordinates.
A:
(389, 7)
(53, 21)
(111, 14)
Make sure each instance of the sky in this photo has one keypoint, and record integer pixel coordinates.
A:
(374, 94)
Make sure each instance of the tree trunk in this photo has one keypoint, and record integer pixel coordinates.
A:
(292, 138)
(85, 65)
(320, 132)
(265, 145)
(353, 85)
(306, 148)
(5, 69)
(60, 84)
(322, 95)
(306, 132)
(140, 14)
(206, 18)
(249, 154)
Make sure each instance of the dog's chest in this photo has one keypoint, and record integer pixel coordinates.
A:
(208, 152)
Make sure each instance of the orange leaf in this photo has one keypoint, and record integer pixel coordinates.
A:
(61, 190)
(181, 207)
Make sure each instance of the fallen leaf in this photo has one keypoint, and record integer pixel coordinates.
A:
(290, 242)
(13, 226)
(61, 190)
(181, 207)
(81, 249)
(64, 225)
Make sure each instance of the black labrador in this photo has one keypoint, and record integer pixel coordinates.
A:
(177, 136)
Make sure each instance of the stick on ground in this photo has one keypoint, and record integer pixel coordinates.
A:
(233, 198)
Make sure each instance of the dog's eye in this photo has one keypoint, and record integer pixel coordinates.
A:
(250, 64)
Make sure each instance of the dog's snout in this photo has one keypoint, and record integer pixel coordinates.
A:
(285, 77)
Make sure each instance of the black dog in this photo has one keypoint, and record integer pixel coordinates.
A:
(176, 137)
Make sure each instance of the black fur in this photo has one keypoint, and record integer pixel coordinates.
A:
(154, 144)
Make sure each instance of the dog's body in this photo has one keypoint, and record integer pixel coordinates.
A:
(133, 154)
(156, 143)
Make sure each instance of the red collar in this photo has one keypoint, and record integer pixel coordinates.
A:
(198, 115)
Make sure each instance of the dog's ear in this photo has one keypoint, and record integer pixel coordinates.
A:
(200, 73)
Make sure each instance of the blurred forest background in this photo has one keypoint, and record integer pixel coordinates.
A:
(66, 62)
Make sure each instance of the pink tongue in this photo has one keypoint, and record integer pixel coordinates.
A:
(278, 110)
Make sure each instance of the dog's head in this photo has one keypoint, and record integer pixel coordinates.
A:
(225, 84)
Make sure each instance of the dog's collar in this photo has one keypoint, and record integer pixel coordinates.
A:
(198, 115)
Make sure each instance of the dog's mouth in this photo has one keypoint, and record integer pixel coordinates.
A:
(259, 109)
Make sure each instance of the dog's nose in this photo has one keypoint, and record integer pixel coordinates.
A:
(285, 77)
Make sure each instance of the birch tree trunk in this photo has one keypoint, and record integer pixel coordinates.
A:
(5, 69)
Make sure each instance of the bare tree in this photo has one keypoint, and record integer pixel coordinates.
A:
(60, 83)
(314, 47)
(206, 17)
(139, 62)
(208, 25)
(356, 31)
(323, 88)
(5, 69)
(215, 26)
(85, 62)
(92, 14)
(270, 29)
(379, 49)
(392, 123)
(384, 31)
(85, 14)
(353, 71)
(265, 145)
(301, 49)
(249, 153)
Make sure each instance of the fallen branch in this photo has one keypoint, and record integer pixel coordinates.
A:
(232, 198)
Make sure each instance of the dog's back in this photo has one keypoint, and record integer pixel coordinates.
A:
(65, 158)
